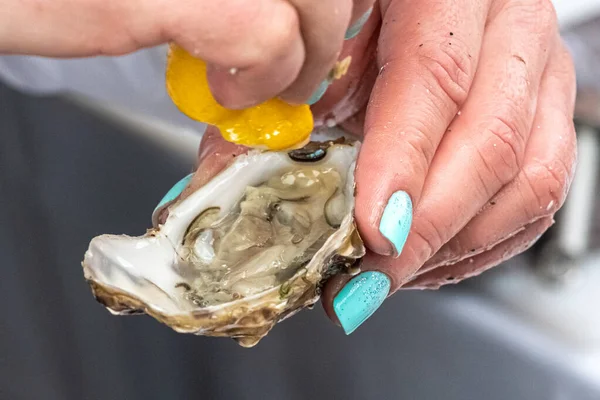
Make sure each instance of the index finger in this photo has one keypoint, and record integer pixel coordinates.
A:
(427, 67)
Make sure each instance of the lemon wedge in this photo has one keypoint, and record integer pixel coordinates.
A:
(274, 124)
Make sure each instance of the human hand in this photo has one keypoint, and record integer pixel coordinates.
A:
(470, 122)
(254, 49)
(468, 130)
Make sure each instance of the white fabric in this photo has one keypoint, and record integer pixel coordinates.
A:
(135, 81)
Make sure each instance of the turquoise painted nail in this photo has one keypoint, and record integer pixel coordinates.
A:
(357, 26)
(360, 298)
(396, 220)
(174, 191)
(350, 33)
(316, 96)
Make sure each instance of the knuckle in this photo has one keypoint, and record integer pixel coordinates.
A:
(538, 15)
(241, 33)
(507, 131)
(501, 153)
(448, 67)
(459, 247)
(545, 12)
(282, 31)
(428, 239)
(413, 146)
(277, 29)
(549, 182)
(420, 143)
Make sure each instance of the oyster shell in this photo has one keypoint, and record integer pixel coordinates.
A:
(248, 249)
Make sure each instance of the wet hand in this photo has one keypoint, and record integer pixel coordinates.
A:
(469, 146)
(255, 49)
(465, 109)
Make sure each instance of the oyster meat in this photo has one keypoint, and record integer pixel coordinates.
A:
(249, 248)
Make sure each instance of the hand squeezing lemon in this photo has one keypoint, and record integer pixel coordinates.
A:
(274, 124)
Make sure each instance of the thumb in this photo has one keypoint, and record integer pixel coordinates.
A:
(214, 154)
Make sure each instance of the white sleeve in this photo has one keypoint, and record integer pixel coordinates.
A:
(135, 81)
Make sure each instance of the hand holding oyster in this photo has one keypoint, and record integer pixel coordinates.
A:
(249, 248)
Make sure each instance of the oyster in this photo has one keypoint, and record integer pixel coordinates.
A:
(251, 247)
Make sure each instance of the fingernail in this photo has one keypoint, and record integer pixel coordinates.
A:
(174, 191)
(396, 220)
(318, 94)
(360, 298)
(357, 26)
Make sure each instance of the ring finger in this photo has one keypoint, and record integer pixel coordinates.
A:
(540, 188)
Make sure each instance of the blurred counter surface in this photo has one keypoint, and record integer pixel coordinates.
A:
(555, 324)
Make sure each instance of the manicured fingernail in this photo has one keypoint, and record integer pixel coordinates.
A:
(396, 220)
(360, 298)
(318, 94)
(357, 26)
(174, 191)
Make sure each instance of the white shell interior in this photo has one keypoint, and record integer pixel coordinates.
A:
(144, 266)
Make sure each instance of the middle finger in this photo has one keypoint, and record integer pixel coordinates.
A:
(484, 147)
(540, 188)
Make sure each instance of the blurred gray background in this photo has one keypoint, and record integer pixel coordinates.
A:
(89, 147)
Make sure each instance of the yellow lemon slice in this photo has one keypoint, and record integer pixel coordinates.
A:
(273, 124)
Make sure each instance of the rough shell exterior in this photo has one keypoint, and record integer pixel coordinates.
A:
(249, 319)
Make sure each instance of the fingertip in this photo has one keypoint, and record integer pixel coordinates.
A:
(214, 154)
(306, 94)
(383, 213)
(330, 290)
(227, 89)
(240, 87)
(349, 300)
(359, 298)
(396, 220)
